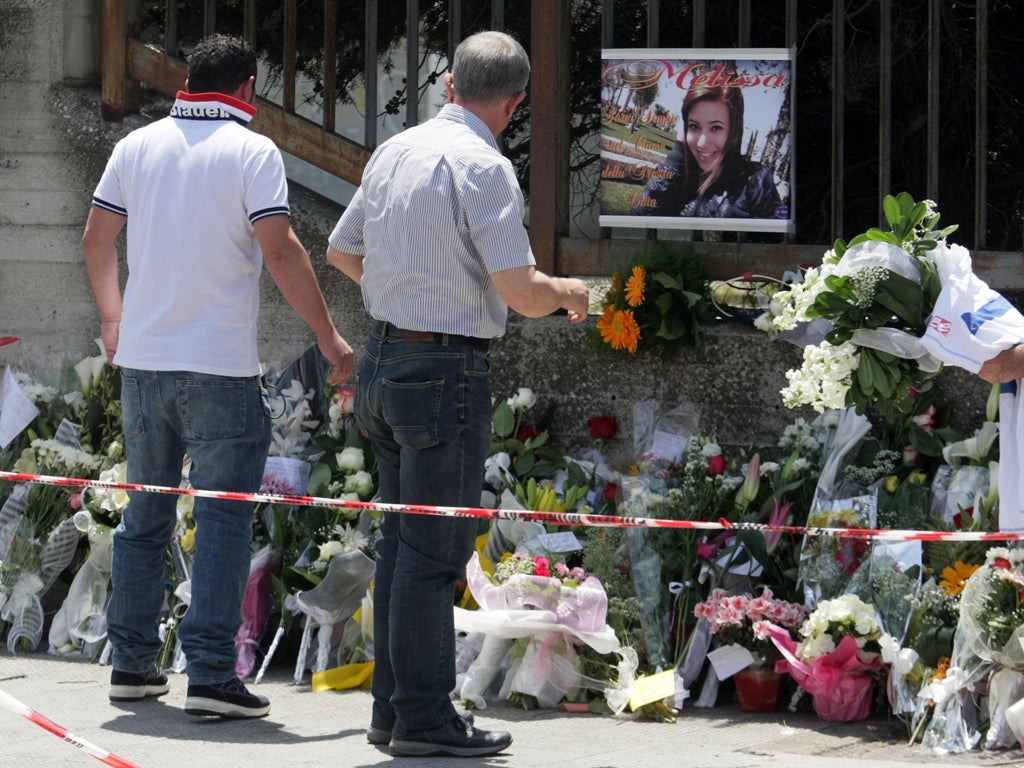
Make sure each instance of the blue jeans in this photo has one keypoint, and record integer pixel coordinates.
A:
(426, 408)
(224, 427)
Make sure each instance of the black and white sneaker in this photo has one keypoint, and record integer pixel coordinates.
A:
(135, 686)
(228, 699)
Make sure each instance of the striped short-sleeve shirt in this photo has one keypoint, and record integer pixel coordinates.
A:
(439, 209)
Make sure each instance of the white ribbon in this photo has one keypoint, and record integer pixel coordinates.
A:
(941, 690)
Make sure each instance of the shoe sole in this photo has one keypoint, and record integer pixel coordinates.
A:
(137, 692)
(217, 708)
(400, 748)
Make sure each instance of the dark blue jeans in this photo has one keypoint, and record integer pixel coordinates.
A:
(426, 407)
(222, 424)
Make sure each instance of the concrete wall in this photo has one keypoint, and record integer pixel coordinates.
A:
(53, 145)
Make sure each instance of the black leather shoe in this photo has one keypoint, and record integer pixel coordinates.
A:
(380, 736)
(454, 739)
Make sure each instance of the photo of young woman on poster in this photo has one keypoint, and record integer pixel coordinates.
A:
(705, 174)
(694, 139)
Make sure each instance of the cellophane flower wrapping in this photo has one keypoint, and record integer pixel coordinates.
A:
(838, 681)
(829, 562)
(332, 601)
(542, 619)
(256, 605)
(987, 648)
(81, 622)
(583, 608)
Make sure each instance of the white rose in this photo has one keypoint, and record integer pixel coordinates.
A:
(360, 483)
(330, 549)
(523, 400)
(350, 459)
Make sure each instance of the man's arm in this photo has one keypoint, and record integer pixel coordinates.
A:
(349, 263)
(289, 265)
(99, 245)
(1008, 365)
(533, 294)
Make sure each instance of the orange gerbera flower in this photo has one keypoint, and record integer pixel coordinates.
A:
(635, 287)
(953, 578)
(619, 329)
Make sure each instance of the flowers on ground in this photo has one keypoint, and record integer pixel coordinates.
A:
(619, 329)
(832, 620)
(519, 563)
(745, 619)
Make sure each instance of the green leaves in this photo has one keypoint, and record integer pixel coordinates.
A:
(503, 420)
(674, 306)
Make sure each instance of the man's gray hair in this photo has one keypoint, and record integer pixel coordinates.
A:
(488, 67)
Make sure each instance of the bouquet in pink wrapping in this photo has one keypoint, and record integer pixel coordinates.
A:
(522, 582)
(835, 658)
(259, 596)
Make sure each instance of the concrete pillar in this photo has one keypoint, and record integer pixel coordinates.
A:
(83, 25)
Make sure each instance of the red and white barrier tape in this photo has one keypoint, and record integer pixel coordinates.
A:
(553, 518)
(107, 758)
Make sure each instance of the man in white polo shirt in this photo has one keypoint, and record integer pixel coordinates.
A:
(207, 201)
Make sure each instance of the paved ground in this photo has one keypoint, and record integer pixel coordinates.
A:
(327, 729)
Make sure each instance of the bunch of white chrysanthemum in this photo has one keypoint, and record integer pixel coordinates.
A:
(835, 619)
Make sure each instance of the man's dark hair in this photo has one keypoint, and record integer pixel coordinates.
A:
(219, 64)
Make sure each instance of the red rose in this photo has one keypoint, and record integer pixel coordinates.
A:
(611, 492)
(525, 432)
(1001, 562)
(603, 427)
(717, 465)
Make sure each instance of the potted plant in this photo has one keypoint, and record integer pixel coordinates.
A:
(742, 624)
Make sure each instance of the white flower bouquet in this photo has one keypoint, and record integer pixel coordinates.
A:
(877, 293)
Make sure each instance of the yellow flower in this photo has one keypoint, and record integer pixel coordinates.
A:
(955, 577)
(188, 539)
(635, 287)
(619, 329)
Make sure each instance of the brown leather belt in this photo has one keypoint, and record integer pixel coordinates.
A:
(388, 332)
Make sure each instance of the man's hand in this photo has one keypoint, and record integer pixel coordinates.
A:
(577, 302)
(341, 357)
(110, 333)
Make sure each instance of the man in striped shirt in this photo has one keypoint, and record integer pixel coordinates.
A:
(435, 238)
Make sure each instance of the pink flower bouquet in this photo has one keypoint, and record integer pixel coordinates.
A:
(578, 600)
(259, 595)
(831, 662)
(745, 619)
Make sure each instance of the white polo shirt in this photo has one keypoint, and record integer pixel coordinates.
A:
(191, 185)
